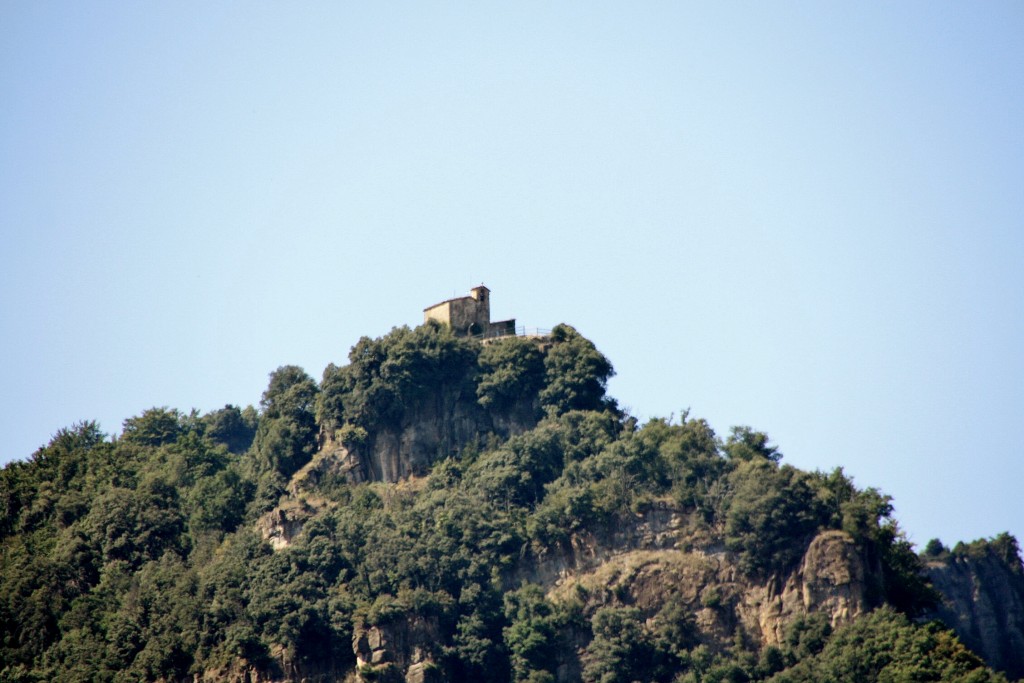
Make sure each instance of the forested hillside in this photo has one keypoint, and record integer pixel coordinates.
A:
(440, 509)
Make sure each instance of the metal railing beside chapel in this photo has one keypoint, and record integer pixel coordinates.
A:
(517, 332)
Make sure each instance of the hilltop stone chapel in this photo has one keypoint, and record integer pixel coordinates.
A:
(470, 316)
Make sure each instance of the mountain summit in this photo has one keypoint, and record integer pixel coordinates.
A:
(459, 502)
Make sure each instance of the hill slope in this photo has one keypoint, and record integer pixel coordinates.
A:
(440, 509)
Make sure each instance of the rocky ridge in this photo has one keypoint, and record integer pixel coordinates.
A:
(643, 564)
(983, 601)
(438, 425)
(637, 564)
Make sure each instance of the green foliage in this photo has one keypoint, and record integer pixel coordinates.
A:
(692, 455)
(532, 635)
(106, 587)
(290, 394)
(621, 650)
(510, 369)
(135, 526)
(744, 444)
(859, 513)
(885, 647)
(286, 437)
(385, 376)
(154, 427)
(575, 373)
(1007, 549)
(478, 651)
(81, 436)
(352, 435)
(905, 585)
(771, 515)
(231, 427)
(807, 635)
(610, 470)
(32, 493)
(1003, 547)
(289, 606)
(934, 548)
(218, 501)
(673, 633)
(515, 474)
(138, 558)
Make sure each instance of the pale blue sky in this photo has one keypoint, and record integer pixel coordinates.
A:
(805, 217)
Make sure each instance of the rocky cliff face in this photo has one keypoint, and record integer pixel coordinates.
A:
(832, 579)
(655, 557)
(437, 427)
(644, 564)
(983, 601)
(651, 561)
(279, 526)
(403, 651)
(441, 425)
(282, 670)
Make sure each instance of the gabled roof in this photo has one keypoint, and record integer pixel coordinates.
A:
(456, 298)
(447, 301)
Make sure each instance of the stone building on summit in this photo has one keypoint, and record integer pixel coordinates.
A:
(470, 316)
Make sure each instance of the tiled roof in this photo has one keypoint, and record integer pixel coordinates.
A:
(447, 301)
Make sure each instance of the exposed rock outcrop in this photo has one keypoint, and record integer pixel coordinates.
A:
(654, 557)
(282, 671)
(441, 425)
(983, 601)
(644, 564)
(399, 651)
(282, 524)
(831, 579)
(648, 563)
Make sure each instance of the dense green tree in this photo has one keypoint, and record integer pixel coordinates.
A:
(532, 634)
(286, 437)
(771, 515)
(81, 436)
(478, 651)
(622, 650)
(219, 501)
(511, 369)
(233, 428)
(576, 373)
(806, 636)
(885, 647)
(135, 526)
(386, 375)
(745, 444)
(289, 607)
(905, 585)
(934, 548)
(226, 628)
(154, 427)
(32, 492)
(698, 469)
(290, 393)
(1004, 547)
(515, 473)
